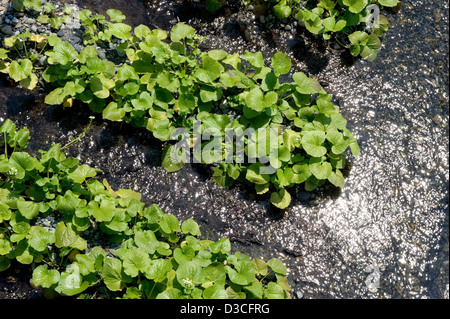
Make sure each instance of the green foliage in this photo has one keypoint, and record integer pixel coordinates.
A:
(167, 85)
(333, 19)
(157, 257)
(344, 20)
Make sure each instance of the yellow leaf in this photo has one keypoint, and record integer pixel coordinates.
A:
(108, 187)
(68, 102)
(37, 38)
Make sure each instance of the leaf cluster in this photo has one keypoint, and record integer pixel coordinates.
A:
(342, 20)
(167, 83)
(158, 257)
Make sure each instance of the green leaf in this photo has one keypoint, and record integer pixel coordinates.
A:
(86, 264)
(255, 59)
(68, 203)
(135, 260)
(113, 113)
(87, 52)
(146, 240)
(33, 4)
(233, 60)
(312, 142)
(260, 266)
(40, 238)
(65, 236)
(215, 122)
(120, 30)
(189, 226)
(142, 31)
(49, 7)
(281, 63)
(115, 15)
(100, 86)
(338, 141)
(103, 213)
(5, 212)
(280, 199)
(126, 72)
(277, 266)
(388, 3)
(144, 102)
(210, 94)
(71, 284)
(282, 10)
(5, 246)
(3, 54)
(214, 5)
(214, 274)
(243, 274)
(321, 170)
(274, 291)
(356, 6)
(44, 277)
(352, 142)
(169, 224)
(254, 176)
(306, 85)
(5, 262)
(157, 269)
(30, 82)
(255, 100)
(215, 292)
(358, 37)
(190, 274)
(20, 71)
(172, 161)
(181, 31)
(81, 173)
(56, 97)
(64, 53)
(327, 4)
(210, 70)
(28, 209)
(218, 55)
(112, 274)
(255, 290)
(329, 23)
(223, 246)
(337, 179)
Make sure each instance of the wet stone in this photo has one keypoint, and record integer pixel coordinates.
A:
(7, 30)
(303, 196)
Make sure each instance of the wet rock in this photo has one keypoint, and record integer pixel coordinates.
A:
(303, 196)
(8, 30)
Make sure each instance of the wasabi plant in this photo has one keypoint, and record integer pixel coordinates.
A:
(355, 24)
(50, 14)
(156, 256)
(282, 134)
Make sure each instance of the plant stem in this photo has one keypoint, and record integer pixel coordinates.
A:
(79, 136)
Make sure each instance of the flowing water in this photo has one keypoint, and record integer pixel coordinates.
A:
(385, 235)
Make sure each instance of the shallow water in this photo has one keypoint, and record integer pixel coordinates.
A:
(384, 236)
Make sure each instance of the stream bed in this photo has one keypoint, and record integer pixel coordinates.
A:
(385, 235)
